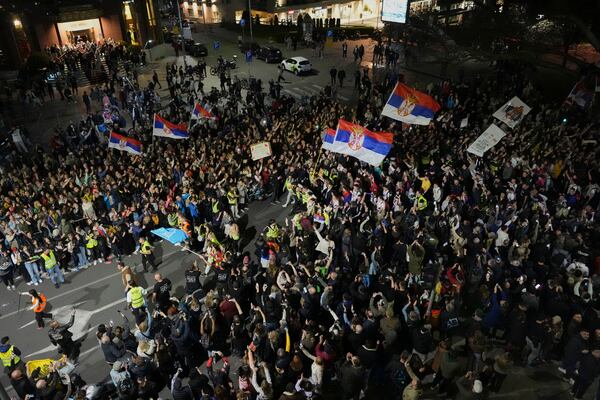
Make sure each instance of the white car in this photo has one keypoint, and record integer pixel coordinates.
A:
(296, 65)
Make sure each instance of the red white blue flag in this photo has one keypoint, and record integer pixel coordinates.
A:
(124, 143)
(357, 141)
(164, 128)
(200, 112)
(410, 106)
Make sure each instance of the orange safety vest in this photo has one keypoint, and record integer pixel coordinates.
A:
(185, 226)
(40, 305)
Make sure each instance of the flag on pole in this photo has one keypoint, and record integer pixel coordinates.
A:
(410, 106)
(580, 95)
(172, 235)
(124, 143)
(328, 139)
(357, 141)
(200, 112)
(164, 128)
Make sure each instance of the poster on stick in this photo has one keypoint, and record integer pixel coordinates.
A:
(486, 140)
(260, 150)
(512, 112)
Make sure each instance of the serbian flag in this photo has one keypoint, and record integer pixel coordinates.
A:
(580, 95)
(200, 112)
(410, 106)
(328, 139)
(357, 141)
(124, 143)
(164, 128)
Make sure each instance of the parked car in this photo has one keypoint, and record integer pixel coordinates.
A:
(296, 65)
(245, 46)
(269, 54)
(195, 49)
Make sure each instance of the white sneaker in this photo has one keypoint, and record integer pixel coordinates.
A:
(8, 288)
(95, 262)
(36, 284)
(29, 283)
(13, 287)
(562, 370)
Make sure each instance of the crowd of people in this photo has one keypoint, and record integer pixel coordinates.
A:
(436, 271)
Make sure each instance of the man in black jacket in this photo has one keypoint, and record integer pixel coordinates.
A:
(21, 383)
(589, 369)
(63, 338)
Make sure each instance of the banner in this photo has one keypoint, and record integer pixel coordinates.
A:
(260, 150)
(512, 112)
(486, 140)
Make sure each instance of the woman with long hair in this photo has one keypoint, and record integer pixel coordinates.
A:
(38, 305)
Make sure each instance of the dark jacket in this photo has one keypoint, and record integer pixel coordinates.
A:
(61, 335)
(112, 352)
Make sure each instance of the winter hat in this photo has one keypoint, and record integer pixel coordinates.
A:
(477, 386)
(117, 365)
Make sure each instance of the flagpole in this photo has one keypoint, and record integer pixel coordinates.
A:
(317, 161)
(152, 140)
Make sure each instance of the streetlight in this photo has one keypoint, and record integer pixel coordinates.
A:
(179, 5)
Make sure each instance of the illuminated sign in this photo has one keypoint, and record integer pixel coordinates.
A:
(394, 11)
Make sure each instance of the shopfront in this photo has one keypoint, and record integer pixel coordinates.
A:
(80, 31)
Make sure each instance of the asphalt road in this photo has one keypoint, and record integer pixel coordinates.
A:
(296, 86)
(96, 294)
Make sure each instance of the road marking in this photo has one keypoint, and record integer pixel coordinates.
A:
(85, 285)
(79, 328)
(296, 95)
(344, 98)
(318, 86)
(58, 313)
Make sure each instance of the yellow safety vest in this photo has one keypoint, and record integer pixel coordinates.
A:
(173, 219)
(91, 243)
(137, 297)
(231, 198)
(215, 207)
(288, 184)
(146, 248)
(327, 218)
(273, 232)
(49, 260)
(421, 203)
(9, 357)
(305, 197)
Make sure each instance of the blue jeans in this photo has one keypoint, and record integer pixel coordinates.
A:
(33, 271)
(56, 274)
(82, 257)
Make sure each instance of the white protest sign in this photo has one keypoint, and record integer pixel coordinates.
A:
(260, 150)
(464, 122)
(512, 112)
(486, 140)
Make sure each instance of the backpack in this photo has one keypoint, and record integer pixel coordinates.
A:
(125, 385)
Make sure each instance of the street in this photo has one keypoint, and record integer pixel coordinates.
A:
(96, 294)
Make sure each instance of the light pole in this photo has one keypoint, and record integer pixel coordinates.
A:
(179, 5)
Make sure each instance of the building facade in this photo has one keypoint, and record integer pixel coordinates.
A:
(33, 27)
(352, 12)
